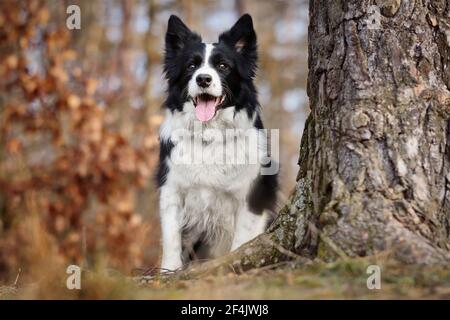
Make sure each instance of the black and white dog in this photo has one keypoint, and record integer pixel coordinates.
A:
(212, 203)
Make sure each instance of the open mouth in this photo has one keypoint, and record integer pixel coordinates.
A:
(206, 106)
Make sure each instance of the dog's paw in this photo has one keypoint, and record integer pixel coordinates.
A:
(171, 264)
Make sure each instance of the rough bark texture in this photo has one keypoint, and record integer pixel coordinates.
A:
(376, 150)
(375, 154)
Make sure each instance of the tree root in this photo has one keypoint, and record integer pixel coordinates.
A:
(260, 252)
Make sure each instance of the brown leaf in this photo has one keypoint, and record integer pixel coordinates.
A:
(12, 61)
(13, 146)
(73, 101)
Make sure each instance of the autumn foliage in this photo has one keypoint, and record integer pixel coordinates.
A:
(68, 177)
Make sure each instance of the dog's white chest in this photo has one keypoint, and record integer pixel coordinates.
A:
(224, 155)
(209, 165)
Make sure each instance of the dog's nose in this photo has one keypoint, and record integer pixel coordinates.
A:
(204, 80)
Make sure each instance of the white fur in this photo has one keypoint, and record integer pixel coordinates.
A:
(208, 198)
(215, 89)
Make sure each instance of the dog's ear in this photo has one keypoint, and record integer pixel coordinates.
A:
(177, 35)
(242, 38)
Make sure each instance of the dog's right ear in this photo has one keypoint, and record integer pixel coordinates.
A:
(242, 39)
(177, 34)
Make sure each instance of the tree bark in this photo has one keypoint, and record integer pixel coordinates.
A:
(375, 154)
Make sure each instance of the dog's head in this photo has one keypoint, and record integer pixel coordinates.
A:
(212, 76)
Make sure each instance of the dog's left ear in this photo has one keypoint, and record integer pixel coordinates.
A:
(242, 38)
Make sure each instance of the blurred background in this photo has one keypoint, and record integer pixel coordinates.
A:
(79, 118)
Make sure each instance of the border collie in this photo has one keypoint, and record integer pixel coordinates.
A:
(213, 203)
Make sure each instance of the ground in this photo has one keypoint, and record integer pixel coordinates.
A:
(314, 280)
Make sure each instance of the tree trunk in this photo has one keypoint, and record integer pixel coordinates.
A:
(375, 154)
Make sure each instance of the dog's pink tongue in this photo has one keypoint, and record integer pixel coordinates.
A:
(205, 110)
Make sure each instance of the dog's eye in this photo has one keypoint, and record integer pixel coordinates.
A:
(191, 66)
(223, 66)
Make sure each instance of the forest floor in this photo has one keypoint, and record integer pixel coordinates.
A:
(316, 280)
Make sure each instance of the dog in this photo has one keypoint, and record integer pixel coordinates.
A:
(211, 207)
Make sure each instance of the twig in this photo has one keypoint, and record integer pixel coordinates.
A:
(17, 278)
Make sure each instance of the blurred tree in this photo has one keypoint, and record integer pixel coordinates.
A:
(67, 169)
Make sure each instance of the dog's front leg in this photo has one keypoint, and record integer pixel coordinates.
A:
(170, 212)
(247, 226)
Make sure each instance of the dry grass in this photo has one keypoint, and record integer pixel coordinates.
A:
(317, 280)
